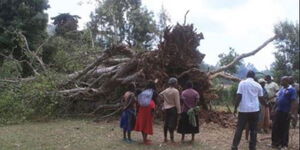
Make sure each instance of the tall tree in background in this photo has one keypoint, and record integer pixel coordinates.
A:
(164, 19)
(227, 58)
(65, 23)
(287, 45)
(141, 29)
(123, 21)
(26, 17)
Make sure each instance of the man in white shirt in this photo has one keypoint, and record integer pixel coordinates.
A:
(249, 95)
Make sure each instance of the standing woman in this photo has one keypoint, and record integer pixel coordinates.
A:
(127, 121)
(144, 122)
(189, 123)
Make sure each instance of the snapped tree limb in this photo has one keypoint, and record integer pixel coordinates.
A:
(223, 68)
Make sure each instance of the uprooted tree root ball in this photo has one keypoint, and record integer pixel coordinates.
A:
(97, 88)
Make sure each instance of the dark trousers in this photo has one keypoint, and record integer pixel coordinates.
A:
(251, 119)
(280, 129)
(170, 119)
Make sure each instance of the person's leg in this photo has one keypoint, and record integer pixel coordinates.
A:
(193, 137)
(247, 133)
(267, 120)
(166, 117)
(172, 135)
(239, 130)
(286, 128)
(124, 134)
(129, 135)
(165, 133)
(182, 137)
(276, 130)
(253, 120)
(144, 137)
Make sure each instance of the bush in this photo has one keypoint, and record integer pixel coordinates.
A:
(30, 100)
(227, 95)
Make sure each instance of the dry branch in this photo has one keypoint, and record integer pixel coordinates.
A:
(223, 68)
(115, 50)
(226, 76)
(33, 53)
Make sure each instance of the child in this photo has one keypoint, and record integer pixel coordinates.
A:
(144, 122)
(127, 122)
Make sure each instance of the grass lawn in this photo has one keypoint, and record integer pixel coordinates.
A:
(85, 134)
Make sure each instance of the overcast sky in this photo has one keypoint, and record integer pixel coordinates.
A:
(240, 24)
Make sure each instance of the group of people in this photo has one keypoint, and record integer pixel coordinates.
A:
(180, 111)
(262, 105)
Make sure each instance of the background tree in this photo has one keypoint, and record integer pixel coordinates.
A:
(26, 17)
(122, 21)
(141, 29)
(164, 19)
(65, 23)
(227, 58)
(287, 54)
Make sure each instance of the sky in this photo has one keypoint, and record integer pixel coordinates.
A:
(241, 24)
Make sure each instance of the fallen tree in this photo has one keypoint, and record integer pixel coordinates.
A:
(177, 56)
(98, 87)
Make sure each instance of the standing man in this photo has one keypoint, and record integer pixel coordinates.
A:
(263, 123)
(171, 107)
(249, 94)
(272, 88)
(286, 110)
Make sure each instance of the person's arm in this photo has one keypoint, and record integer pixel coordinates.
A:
(198, 99)
(177, 102)
(238, 97)
(294, 105)
(262, 101)
(261, 97)
(237, 102)
(129, 102)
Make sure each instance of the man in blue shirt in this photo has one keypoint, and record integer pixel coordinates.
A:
(286, 110)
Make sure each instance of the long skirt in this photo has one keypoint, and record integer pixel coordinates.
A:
(170, 117)
(144, 121)
(127, 121)
(185, 127)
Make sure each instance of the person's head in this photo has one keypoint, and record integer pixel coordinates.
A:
(131, 87)
(291, 80)
(138, 92)
(284, 81)
(172, 82)
(189, 84)
(262, 82)
(251, 74)
(151, 85)
(268, 78)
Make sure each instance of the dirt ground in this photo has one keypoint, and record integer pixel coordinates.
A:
(85, 134)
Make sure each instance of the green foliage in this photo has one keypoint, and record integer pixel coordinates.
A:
(141, 28)
(30, 100)
(123, 21)
(287, 55)
(10, 69)
(65, 23)
(226, 94)
(27, 17)
(62, 53)
(227, 58)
